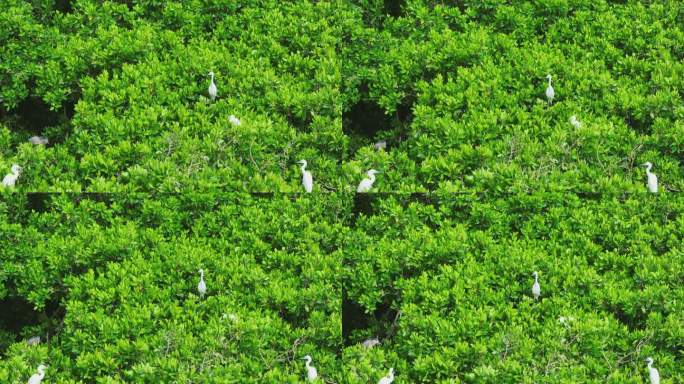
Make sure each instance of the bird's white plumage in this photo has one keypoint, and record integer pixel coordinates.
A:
(202, 286)
(311, 373)
(366, 184)
(653, 373)
(389, 378)
(380, 145)
(652, 178)
(234, 120)
(38, 140)
(536, 289)
(38, 377)
(35, 340)
(549, 91)
(213, 91)
(370, 343)
(307, 178)
(11, 178)
(575, 123)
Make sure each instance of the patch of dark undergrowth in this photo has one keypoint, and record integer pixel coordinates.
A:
(19, 317)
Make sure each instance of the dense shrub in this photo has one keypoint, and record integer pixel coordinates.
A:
(472, 75)
(483, 182)
(457, 274)
(121, 273)
(136, 77)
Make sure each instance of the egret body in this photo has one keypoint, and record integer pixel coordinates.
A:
(234, 120)
(38, 377)
(212, 87)
(652, 372)
(35, 340)
(536, 289)
(370, 343)
(311, 373)
(652, 178)
(549, 91)
(389, 378)
(307, 179)
(575, 123)
(367, 183)
(202, 286)
(11, 179)
(38, 140)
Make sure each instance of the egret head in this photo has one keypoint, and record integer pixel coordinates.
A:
(649, 361)
(41, 368)
(307, 358)
(372, 172)
(201, 271)
(647, 164)
(302, 162)
(211, 73)
(534, 274)
(548, 77)
(16, 169)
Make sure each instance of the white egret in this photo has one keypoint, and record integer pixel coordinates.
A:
(202, 286)
(38, 140)
(575, 123)
(11, 178)
(536, 289)
(234, 120)
(652, 178)
(380, 145)
(370, 343)
(389, 378)
(35, 340)
(652, 372)
(367, 183)
(212, 87)
(38, 377)
(311, 373)
(549, 91)
(307, 179)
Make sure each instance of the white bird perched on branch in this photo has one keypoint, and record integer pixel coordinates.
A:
(370, 343)
(38, 140)
(234, 120)
(311, 373)
(380, 145)
(35, 340)
(389, 378)
(202, 286)
(212, 87)
(367, 183)
(307, 179)
(536, 289)
(575, 123)
(652, 372)
(11, 179)
(38, 377)
(652, 178)
(549, 91)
